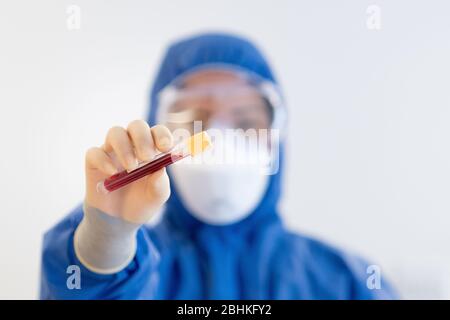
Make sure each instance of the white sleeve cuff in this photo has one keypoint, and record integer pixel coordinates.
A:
(104, 244)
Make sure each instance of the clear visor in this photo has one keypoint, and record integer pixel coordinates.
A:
(220, 100)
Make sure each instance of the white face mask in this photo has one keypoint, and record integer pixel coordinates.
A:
(221, 192)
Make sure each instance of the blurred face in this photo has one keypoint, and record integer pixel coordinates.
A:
(222, 100)
(219, 99)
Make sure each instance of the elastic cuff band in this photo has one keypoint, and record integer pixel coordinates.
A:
(104, 244)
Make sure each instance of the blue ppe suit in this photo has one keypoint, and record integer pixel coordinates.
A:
(183, 258)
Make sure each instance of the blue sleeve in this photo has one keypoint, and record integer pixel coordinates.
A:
(64, 277)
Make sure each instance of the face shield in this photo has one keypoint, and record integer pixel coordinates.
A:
(244, 116)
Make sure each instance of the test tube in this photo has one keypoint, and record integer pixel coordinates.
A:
(191, 147)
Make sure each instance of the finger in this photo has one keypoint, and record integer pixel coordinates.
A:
(142, 140)
(162, 138)
(158, 185)
(118, 141)
(97, 158)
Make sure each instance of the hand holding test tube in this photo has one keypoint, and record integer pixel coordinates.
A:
(192, 146)
(139, 190)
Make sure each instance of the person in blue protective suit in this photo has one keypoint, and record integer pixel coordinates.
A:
(220, 235)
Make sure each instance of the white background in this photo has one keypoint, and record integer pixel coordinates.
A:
(369, 159)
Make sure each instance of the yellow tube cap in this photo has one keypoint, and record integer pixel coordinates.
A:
(198, 143)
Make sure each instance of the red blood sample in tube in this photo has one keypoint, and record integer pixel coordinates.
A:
(124, 177)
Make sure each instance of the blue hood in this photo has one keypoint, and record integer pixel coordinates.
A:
(209, 49)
